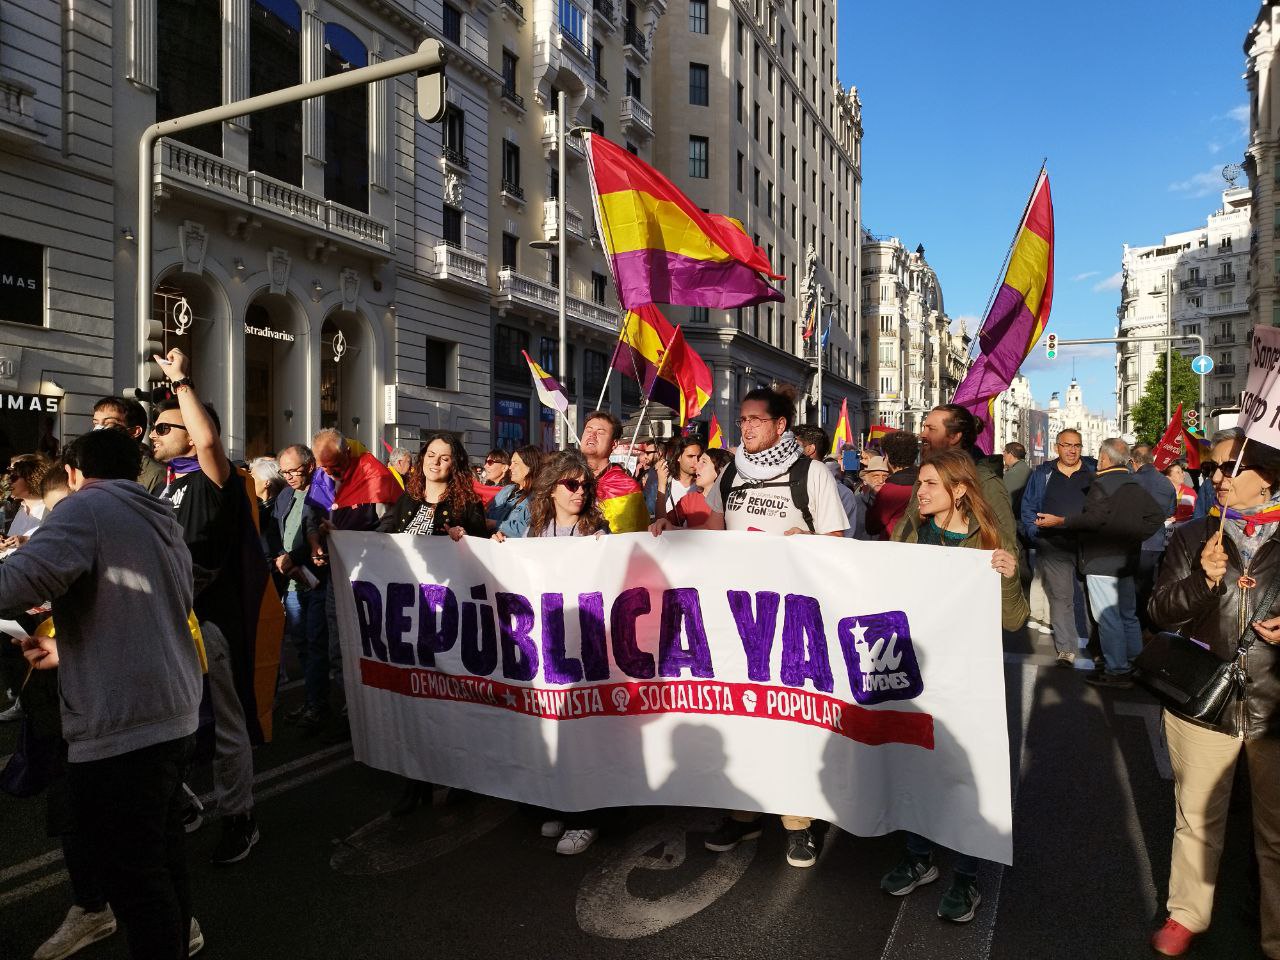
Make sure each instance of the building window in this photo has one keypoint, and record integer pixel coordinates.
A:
(755, 62)
(438, 357)
(742, 38)
(632, 149)
(597, 125)
(599, 286)
(755, 187)
(553, 269)
(755, 121)
(453, 226)
(511, 168)
(453, 24)
(741, 165)
(597, 59)
(697, 16)
(698, 157)
(633, 86)
(740, 100)
(510, 251)
(699, 314)
(275, 61)
(573, 23)
(453, 135)
(768, 141)
(346, 122)
(509, 63)
(508, 346)
(699, 85)
(595, 369)
(189, 67)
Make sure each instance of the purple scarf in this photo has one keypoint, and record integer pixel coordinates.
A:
(180, 467)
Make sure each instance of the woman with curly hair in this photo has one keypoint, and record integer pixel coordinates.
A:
(563, 502)
(440, 498)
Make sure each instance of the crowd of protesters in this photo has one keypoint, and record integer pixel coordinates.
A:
(150, 503)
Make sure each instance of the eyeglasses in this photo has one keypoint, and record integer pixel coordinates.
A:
(572, 485)
(755, 421)
(1071, 446)
(1228, 467)
(162, 429)
(296, 472)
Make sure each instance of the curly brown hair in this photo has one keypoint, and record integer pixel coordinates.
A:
(461, 490)
(565, 465)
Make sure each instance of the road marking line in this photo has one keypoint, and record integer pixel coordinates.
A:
(34, 887)
(1152, 718)
(273, 773)
(35, 863)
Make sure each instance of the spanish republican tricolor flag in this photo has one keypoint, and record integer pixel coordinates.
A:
(662, 247)
(549, 390)
(843, 433)
(656, 355)
(1018, 314)
(879, 431)
(715, 436)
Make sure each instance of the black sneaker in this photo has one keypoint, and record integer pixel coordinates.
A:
(239, 834)
(1114, 681)
(732, 832)
(960, 902)
(911, 872)
(293, 716)
(801, 851)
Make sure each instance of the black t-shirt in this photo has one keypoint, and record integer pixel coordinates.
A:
(211, 518)
(434, 519)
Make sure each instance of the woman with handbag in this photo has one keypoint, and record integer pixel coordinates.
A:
(1220, 585)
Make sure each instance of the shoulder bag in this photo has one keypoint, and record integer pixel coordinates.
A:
(1190, 680)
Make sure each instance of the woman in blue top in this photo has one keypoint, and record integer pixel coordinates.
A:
(509, 512)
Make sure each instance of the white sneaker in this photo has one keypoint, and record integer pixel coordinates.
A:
(196, 942)
(77, 931)
(575, 841)
(552, 828)
(1043, 628)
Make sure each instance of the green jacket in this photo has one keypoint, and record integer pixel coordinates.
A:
(1013, 605)
(994, 492)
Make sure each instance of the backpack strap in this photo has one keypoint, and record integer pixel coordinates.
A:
(726, 482)
(798, 476)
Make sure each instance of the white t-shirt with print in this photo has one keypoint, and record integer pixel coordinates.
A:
(769, 509)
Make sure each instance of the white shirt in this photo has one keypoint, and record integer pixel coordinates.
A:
(769, 509)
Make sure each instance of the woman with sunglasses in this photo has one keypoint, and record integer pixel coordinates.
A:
(440, 499)
(563, 501)
(497, 468)
(1215, 574)
(23, 480)
(952, 512)
(509, 512)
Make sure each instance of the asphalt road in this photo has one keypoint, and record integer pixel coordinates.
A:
(335, 877)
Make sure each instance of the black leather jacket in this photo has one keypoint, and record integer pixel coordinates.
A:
(1183, 602)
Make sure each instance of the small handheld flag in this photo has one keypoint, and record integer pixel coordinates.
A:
(843, 434)
(549, 390)
(715, 438)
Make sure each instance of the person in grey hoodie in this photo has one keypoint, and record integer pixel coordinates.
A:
(112, 560)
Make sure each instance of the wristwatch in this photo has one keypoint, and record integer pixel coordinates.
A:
(184, 382)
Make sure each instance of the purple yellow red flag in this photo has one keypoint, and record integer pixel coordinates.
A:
(879, 431)
(715, 436)
(662, 247)
(549, 390)
(843, 433)
(1017, 316)
(647, 337)
(621, 501)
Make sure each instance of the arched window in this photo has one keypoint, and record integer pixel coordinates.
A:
(189, 66)
(346, 123)
(275, 61)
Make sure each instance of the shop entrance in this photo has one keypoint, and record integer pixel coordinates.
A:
(274, 375)
(346, 377)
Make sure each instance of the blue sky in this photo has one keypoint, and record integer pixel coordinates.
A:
(1136, 103)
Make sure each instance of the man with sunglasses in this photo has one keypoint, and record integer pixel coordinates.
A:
(1058, 487)
(212, 507)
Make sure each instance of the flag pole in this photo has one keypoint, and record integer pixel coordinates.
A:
(606, 236)
(648, 396)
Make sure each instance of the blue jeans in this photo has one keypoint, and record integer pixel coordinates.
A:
(307, 626)
(1114, 602)
(922, 847)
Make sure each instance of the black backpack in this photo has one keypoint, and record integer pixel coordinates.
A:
(797, 480)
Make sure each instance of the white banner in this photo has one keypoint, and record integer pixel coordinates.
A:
(858, 683)
(1260, 404)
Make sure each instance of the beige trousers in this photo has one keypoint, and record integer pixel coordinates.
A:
(788, 823)
(1204, 764)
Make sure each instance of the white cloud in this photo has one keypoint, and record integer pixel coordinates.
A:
(971, 323)
(1086, 353)
(1085, 276)
(1201, 184)
(1214, 148)
(1240, 115)
(1113, 282)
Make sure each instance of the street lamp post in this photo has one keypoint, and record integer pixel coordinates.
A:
(561, 248)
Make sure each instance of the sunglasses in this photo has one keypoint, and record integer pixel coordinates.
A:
(1228, 467)
(162, 429)
(490, 463)
(573, 486)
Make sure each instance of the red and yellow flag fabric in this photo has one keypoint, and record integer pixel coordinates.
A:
(715, 436)
(648, 342)
(879, 431)
(843, 434)
(663, 248)
(1017, 316)
(1178, 443)
(621, 501)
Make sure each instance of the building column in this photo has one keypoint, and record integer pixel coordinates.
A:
(235, 55)
(381, 139)
(142, 58)
(313, 109)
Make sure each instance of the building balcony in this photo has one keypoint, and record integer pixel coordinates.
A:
(591, 314)
(634, 44)
(569, 42)
(193, 171)
(572, 220)
(1225, 369)
(455, 158)
(606, 13)
(513, 192)
(577, 148)
(517, 290)
(635, 116)
(1224, 280)
(1221, 338)
(1240, 307)
(461, 268)
(509, 96)
(17, 122)
(1194, 283)
(515, 6)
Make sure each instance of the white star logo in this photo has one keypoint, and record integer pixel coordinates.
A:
(859, 632)
(510, 698)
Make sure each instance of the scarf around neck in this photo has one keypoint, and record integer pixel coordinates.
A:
(1250, 528)
(770, 463)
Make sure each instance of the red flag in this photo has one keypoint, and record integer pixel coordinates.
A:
(1173, 444)
(681, 367)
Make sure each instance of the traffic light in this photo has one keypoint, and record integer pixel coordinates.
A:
(1051, 346)
(431, 85)
(153, 346)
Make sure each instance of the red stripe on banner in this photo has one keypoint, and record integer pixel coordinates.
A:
(872, 727)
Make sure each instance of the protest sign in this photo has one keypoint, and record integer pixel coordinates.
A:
(1260, 404)
(860, 683)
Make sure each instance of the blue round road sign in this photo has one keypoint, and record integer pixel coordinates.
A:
(1202, 364)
